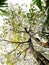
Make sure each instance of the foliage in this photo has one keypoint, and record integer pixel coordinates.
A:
(3, 5)
(23, 36)
(38, 3)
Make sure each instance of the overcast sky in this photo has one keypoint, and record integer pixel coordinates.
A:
(27, 2)
(20, 1)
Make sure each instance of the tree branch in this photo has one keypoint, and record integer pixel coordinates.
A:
(14, 42)
(39, 57)
(45, 32)
(25, 50)
(14, 49)
(46, 45)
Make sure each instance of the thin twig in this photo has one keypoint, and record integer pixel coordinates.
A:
(22, 51)
(14, 42)
(14, 49)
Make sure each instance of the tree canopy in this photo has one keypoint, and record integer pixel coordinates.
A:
(25, 36)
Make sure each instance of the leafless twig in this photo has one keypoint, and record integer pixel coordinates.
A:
(14, 42)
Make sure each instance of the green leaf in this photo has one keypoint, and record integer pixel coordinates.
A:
(2, 2)
(5, 5)
(4, 12)
(38, 3)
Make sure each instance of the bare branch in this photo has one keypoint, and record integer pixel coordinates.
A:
(14, 49)
(46, 45)
(13, 42)
(22, 52)
(45, 32)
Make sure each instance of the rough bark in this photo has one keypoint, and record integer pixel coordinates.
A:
(39, 57)
(46, 45)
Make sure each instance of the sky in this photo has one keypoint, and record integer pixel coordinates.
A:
(20, 1)
(27, 2)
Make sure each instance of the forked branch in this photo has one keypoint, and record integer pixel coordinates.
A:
(46, 45)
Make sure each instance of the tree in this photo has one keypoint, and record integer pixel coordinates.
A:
(20, 30)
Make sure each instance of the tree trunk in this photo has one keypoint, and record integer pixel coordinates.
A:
(39, 57)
